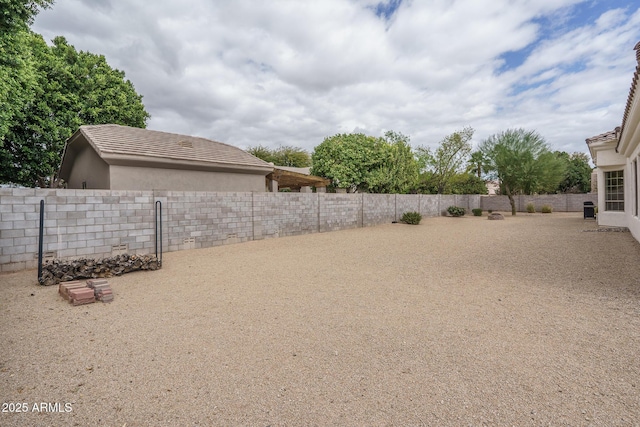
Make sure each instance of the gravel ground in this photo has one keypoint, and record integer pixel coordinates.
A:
(457, 321)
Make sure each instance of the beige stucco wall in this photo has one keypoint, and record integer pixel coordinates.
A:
(88, 167)
(144, 178)
(611, 218)
(632, 189)
(609, 157)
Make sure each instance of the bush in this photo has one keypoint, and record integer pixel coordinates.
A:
(413, 218)
(456, 211)
(531, 208)
(477, 212)
(546, 209)
(490, 211)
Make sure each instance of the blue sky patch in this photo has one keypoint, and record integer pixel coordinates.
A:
(560, 22)
(385, 10)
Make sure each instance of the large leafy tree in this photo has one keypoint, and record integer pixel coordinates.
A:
(577, 176)
(347, 159)
(467, 183)
(448, 159)
(461, 183)
(362, 163)
(71, 89)
(522, 162)
(17, 75)
(398, 169)
(19, 13)
(282, 156)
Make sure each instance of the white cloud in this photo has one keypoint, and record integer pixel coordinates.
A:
(292, 73)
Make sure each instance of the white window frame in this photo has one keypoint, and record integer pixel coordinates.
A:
(614, 191)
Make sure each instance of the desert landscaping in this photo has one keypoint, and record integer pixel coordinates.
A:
(534, 320)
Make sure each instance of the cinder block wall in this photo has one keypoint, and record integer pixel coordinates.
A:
(559, 202)
(101, 223)
(77, 223)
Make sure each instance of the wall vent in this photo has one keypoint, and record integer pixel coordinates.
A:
(185, 144)
(46, 256)
(189, 243)
(119, 249)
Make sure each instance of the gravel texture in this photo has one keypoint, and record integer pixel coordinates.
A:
(457, 321)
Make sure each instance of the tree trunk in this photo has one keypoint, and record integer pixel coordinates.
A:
(513, 202)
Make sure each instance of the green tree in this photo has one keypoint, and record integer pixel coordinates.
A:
(398, 169)
(17, 75)
(71, 89)
(19, 13)
(261, 152)
(426, 184)
(522, 162)
(467, 183)
(577, 176)
(347, 159)
(282, 156)
(18, 79)
(449, 158)
(476, 164)
(362, 163)
(291, 156)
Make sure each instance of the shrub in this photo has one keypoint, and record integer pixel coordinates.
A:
(477, 212)
(531, 208)
(546, 209)
(490, 211)
(455, 211)
(411, 218)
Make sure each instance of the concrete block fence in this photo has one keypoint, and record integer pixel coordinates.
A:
(559, 202)
(101, 223)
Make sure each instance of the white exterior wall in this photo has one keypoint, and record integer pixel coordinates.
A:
(611, 218)
(632, 190)
(608, 160)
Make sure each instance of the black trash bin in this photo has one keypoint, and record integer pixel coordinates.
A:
(589, 210)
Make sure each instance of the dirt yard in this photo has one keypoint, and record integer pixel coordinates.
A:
(457, 321)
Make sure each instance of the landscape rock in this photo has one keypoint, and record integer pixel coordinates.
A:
(495, 216)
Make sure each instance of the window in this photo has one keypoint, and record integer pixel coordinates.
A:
(614, 191)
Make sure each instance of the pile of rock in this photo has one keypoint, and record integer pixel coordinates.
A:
(79, 293)
(56, 271)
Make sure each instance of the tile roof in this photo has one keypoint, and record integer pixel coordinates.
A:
(632, 91)
(125, 140)
(607, 136)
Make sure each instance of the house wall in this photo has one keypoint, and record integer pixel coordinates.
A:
(89, 168)
(632, 192)
(100, 223)
(609, 158)
(611, 218)
(145, 178)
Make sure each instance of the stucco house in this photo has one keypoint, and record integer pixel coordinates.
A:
(616, 155)
(125, 158)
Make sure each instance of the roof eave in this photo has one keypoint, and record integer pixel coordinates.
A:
(630, 99)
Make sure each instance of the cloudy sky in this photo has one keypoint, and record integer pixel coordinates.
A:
(251, 72)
